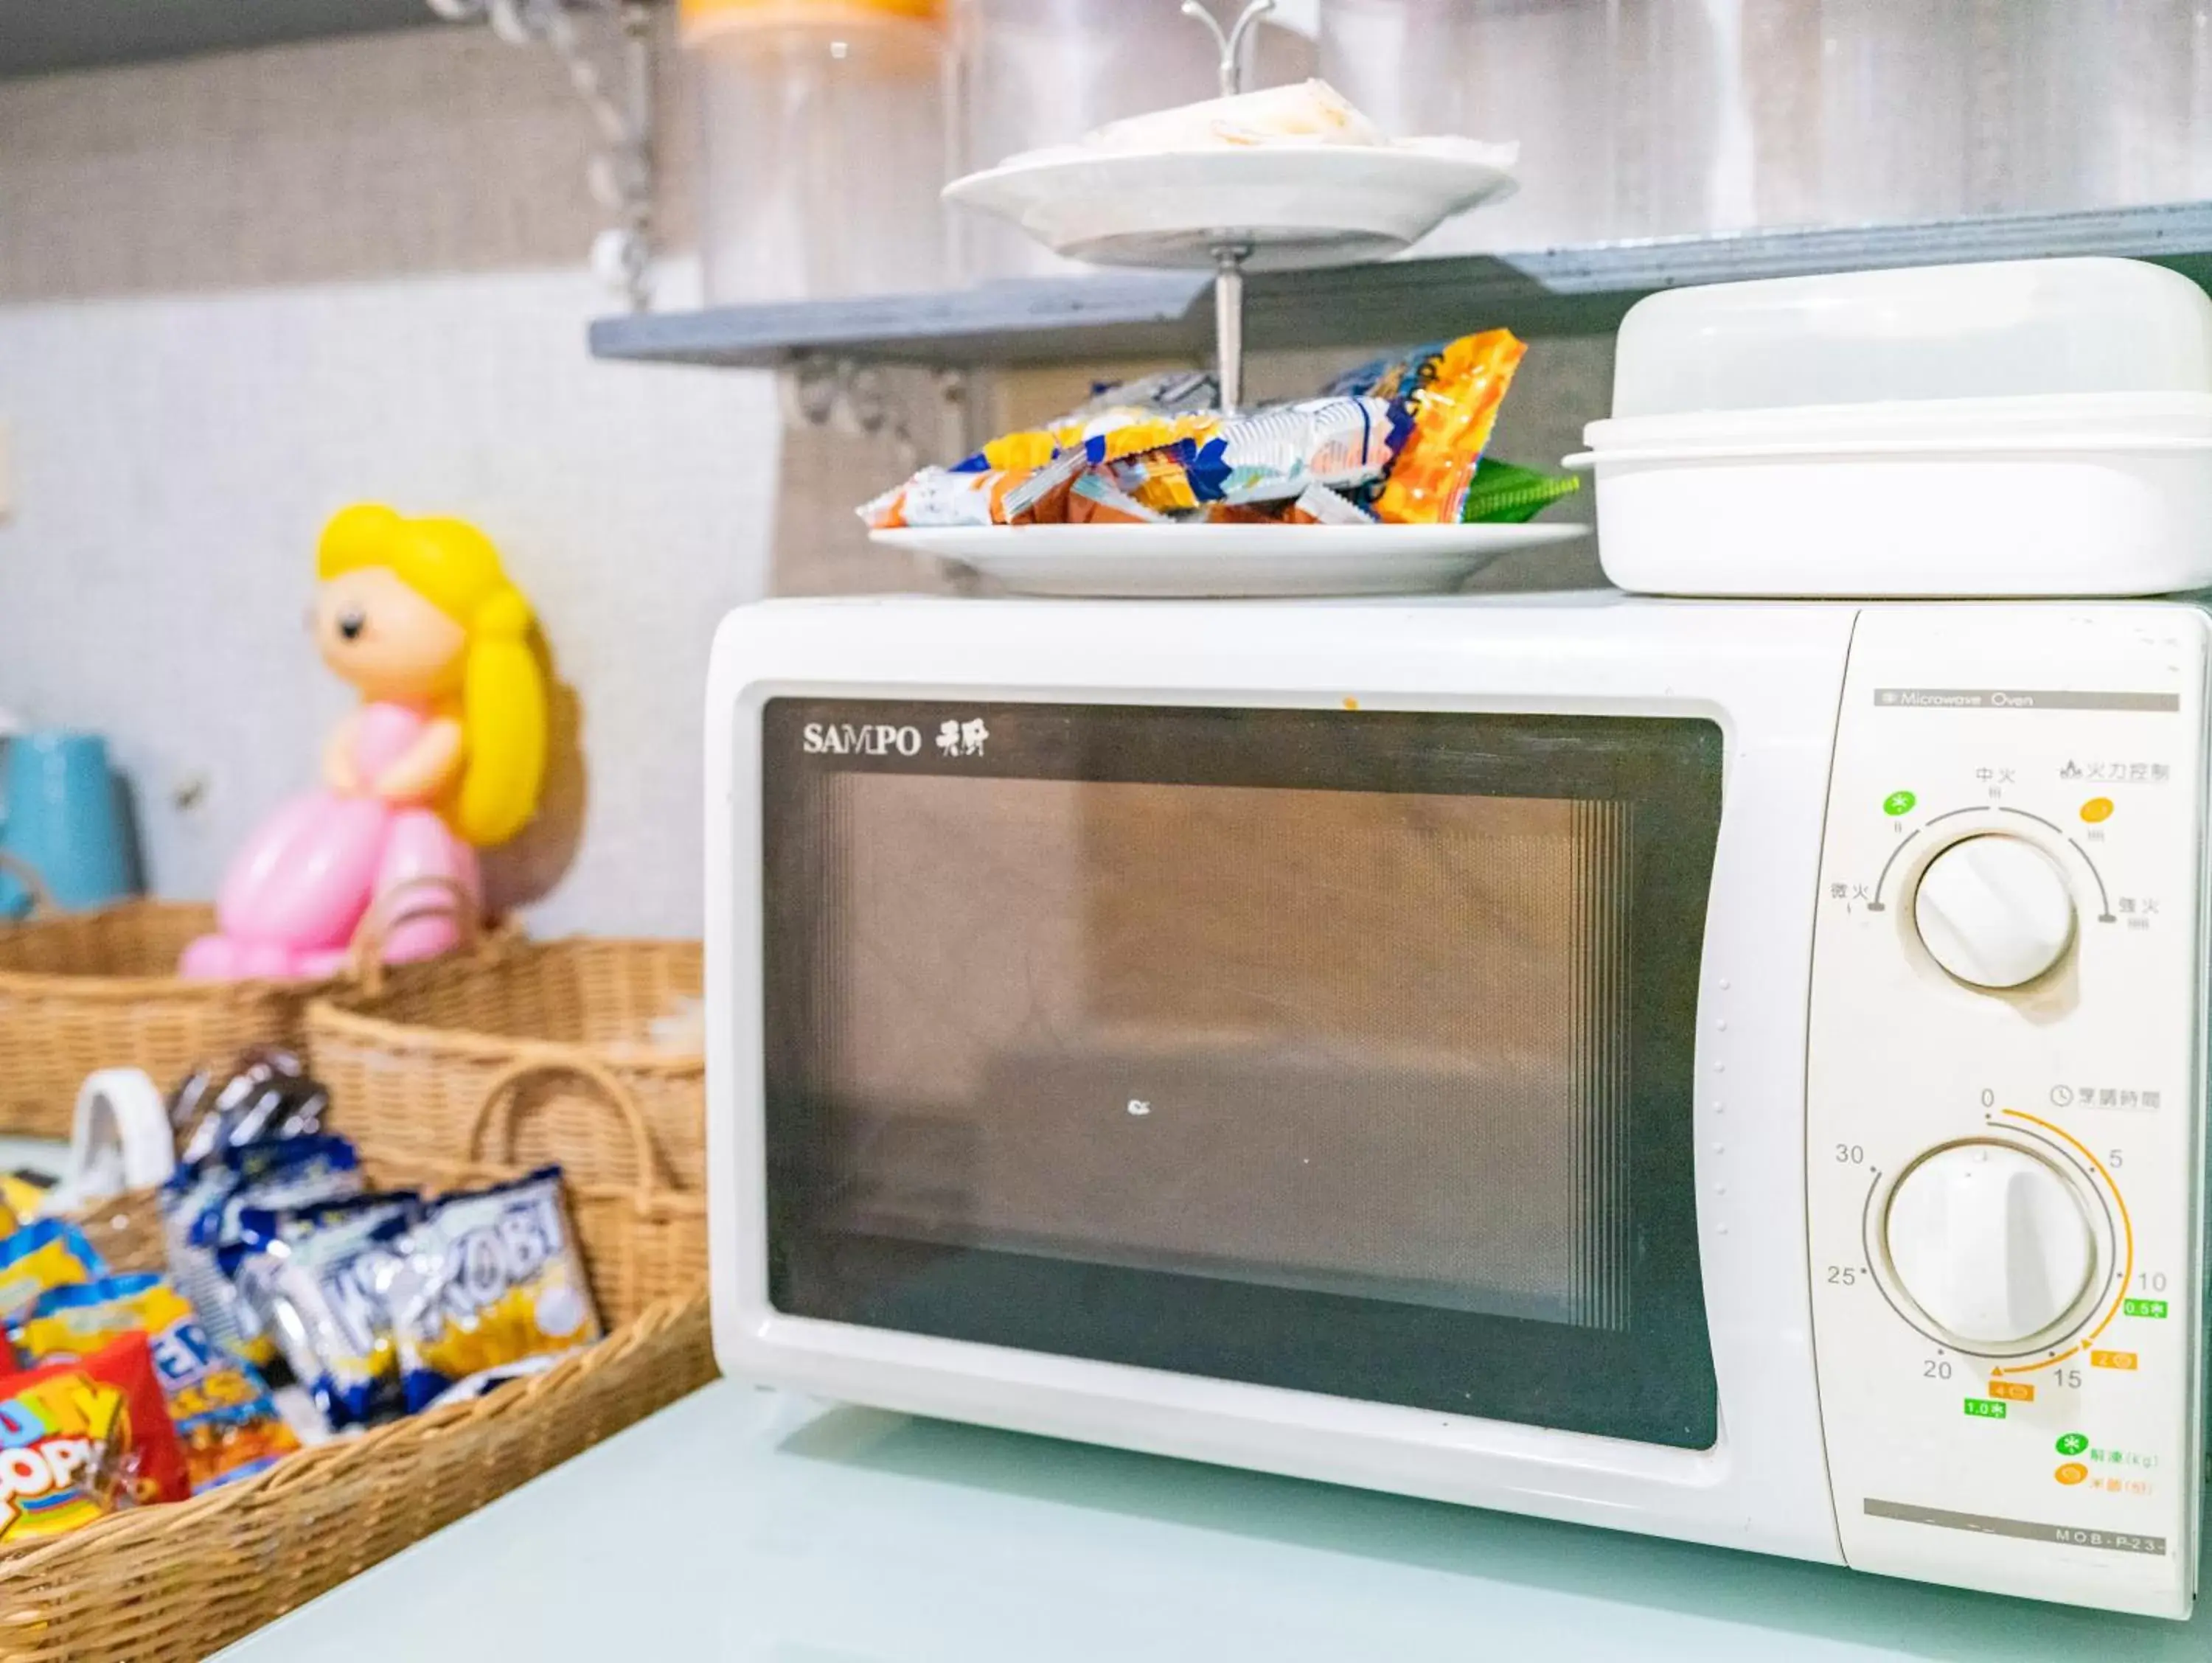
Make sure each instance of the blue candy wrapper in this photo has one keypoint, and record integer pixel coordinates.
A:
(317, 1278)
(201, 1208)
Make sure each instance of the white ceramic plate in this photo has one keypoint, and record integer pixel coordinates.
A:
(1160, 561)
(1295, 206)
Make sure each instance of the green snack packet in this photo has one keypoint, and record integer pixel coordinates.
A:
(1503, 494)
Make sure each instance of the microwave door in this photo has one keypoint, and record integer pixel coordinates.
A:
(1350, 1052)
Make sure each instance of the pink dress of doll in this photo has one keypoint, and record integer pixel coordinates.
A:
(297, 891)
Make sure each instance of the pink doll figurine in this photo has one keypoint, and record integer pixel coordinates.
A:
(445, 755)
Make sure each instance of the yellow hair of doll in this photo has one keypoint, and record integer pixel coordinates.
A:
(453, 565)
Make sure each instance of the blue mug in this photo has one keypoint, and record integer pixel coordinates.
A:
(65, 814)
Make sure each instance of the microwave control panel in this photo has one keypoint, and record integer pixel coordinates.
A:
(2005, 1100)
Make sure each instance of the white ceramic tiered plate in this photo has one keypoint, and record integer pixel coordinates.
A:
(1295, 205)
(1201, 560)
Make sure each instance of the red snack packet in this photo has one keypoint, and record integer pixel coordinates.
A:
(78, 1440)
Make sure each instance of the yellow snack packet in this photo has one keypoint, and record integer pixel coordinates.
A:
(1018, 452)
(52, 1253)
(1111, 435)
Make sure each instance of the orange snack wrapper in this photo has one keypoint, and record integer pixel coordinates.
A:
(1453, 413)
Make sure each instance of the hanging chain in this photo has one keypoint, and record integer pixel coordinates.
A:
(621, 171)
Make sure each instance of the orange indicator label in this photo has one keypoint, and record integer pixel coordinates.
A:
(2072, 1473)
(2097, 808)
(2112, 1359)
(2018, 1390)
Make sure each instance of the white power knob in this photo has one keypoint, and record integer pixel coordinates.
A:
(1990, 1241)
(1995, 911)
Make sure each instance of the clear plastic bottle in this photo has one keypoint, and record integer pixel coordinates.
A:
(828, 136)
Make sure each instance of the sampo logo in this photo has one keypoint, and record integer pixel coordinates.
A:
(848, 739)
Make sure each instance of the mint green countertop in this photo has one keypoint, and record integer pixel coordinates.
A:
(746, 1524)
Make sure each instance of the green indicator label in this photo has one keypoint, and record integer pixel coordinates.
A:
(2143, 1307)
(1898, 802)
(1987, 1408)
(2073, 1443)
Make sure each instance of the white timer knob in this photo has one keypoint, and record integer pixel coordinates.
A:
(1990, 1241)
(1995, 911)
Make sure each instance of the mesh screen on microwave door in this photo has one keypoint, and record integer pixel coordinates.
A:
(1357, 1041)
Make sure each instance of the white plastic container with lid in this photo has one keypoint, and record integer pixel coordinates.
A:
(827, 134)
(2027, 427)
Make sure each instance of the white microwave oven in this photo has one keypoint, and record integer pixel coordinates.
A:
(1728, 1071)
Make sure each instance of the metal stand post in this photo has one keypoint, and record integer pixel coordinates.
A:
(1229, 322)
(1230, 254)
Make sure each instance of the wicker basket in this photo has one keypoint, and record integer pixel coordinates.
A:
(81, 990)
(410, 1056)
(170, 1584)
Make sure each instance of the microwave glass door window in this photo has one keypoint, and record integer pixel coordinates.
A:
(1348, 1052)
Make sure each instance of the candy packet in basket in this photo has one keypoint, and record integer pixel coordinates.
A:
(317, 1278)
(83, 1438)
(489, 1277)
(49, 1253)
(218, 1404)
(264, 1094)
(201, 1205)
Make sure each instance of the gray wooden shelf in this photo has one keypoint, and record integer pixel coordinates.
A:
(1560, 291)
(39, 36)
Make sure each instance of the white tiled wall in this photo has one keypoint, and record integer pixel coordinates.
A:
(176, 456)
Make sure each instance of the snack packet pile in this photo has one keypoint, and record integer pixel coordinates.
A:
(138, 1387)
(219, 1405)
(372, 1302)
(202, 1409)
(1401, 440)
